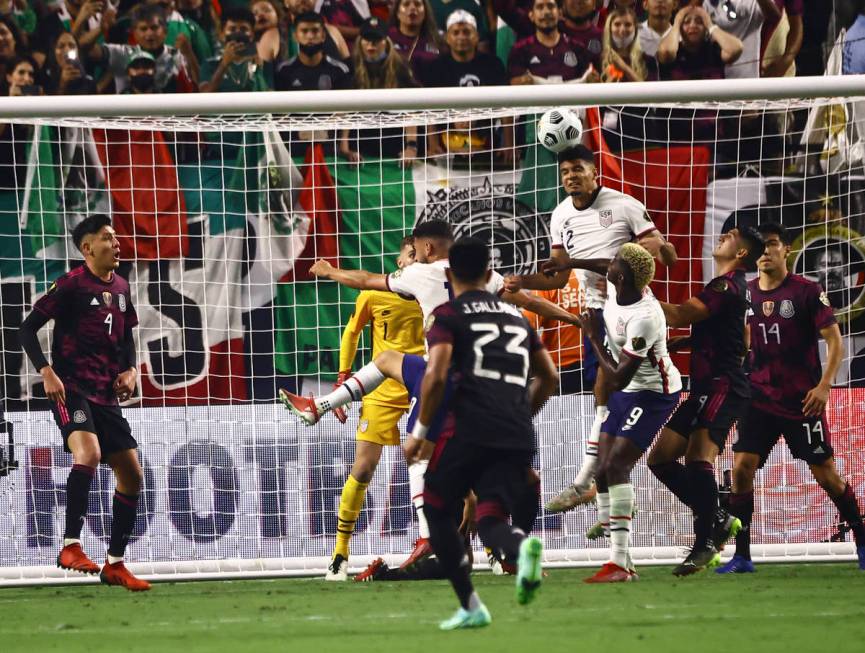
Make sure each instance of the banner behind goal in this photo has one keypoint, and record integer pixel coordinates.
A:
(220, 218)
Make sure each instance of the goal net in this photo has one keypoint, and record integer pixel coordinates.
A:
(219, 219)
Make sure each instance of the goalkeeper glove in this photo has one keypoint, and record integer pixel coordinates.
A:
(340, 412)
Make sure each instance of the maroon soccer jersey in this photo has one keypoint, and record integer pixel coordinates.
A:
(590, 39)
(567, 60)
(418, 52)
(718, 342)
(91, 322)
(785, 329)
(492, 348)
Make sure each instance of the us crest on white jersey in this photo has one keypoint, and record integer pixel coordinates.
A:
(787, 310)
(605, 217)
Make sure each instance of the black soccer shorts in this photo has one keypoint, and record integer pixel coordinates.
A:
(495, 475)
(107, 422)
(715, 409)
(807, 438)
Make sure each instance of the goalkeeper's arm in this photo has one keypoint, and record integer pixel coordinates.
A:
(351, 335)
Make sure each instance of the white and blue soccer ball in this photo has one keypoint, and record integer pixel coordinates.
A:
(559, 129)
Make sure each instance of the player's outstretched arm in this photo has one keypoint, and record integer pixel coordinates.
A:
(815, 401)
(682, 315)
(616, 374)
(359, 279)
(539, 306)
(54, 388)
(432, 390)
(542, 280)
(659, 247)
(545, 378)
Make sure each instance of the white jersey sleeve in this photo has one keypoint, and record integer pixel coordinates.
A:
(556, 238)
(636, 216)
(496, 284)
(406, 281)
(641, 333)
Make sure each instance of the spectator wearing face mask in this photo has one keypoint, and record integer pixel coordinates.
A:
(335, 45)
(238, 68)
(141, 70)
(311, 69)
(377, 64)
(172, 73)
(622, 59)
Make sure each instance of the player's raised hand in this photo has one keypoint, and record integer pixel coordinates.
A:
(321, 268)
(590, 322)
(513, 283)
(815, 401)
(416, 450)
(124, 384)
(54, 388)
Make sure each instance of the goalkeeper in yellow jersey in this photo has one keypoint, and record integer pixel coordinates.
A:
(397, 324)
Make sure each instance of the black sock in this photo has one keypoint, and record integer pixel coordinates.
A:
(675, 477)
(124, 509)
(704, 499)
(495, 531)
(849, 509)
(77, 492)
(526, 508)
(742, 506)
(449, 549)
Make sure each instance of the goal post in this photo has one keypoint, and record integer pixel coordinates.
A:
(223, 201)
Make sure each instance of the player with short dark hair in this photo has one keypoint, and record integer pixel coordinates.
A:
(643, 385)
(492, 354)
(719, 394)
(93, 356)
(586, 231)
(788, 316)
(426, 281)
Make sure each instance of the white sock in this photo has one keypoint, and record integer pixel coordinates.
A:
(603, 499)
(590, 461)
(415, 487)
(70, 540)
(621, 507)
(362, 382)
(114, 559)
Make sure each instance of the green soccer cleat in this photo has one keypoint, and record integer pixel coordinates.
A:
(468, 619)
(529, 571)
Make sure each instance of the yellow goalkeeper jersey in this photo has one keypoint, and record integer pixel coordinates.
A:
(397, 324)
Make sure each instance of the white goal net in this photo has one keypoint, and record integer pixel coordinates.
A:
(220, 218)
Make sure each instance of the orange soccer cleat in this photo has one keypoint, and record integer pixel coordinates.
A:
(422, 549)
(303, 408)
(73, 558)
(370, 572)
(611, 573)
(118, 574)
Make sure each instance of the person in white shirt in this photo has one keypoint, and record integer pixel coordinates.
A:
(587, 229)
(658, 23)
(744, 20)
(644, 387)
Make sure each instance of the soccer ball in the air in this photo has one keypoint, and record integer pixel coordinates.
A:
(559, 129)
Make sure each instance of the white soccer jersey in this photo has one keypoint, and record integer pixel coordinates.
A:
(640, 330)
(744, 20)
(598, 231)
(428, 284)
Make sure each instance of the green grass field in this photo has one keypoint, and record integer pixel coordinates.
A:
(784, 608)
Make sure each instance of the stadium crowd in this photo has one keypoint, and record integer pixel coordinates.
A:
(174, 46)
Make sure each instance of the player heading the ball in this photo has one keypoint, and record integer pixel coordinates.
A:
(587, 229)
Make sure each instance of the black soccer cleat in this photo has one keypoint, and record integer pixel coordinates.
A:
(701, 557)
(724, 527)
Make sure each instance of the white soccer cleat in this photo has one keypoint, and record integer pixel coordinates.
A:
(495, 565)
(337, 570)
(570, 498)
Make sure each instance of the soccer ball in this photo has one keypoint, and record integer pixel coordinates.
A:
(559, 129)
